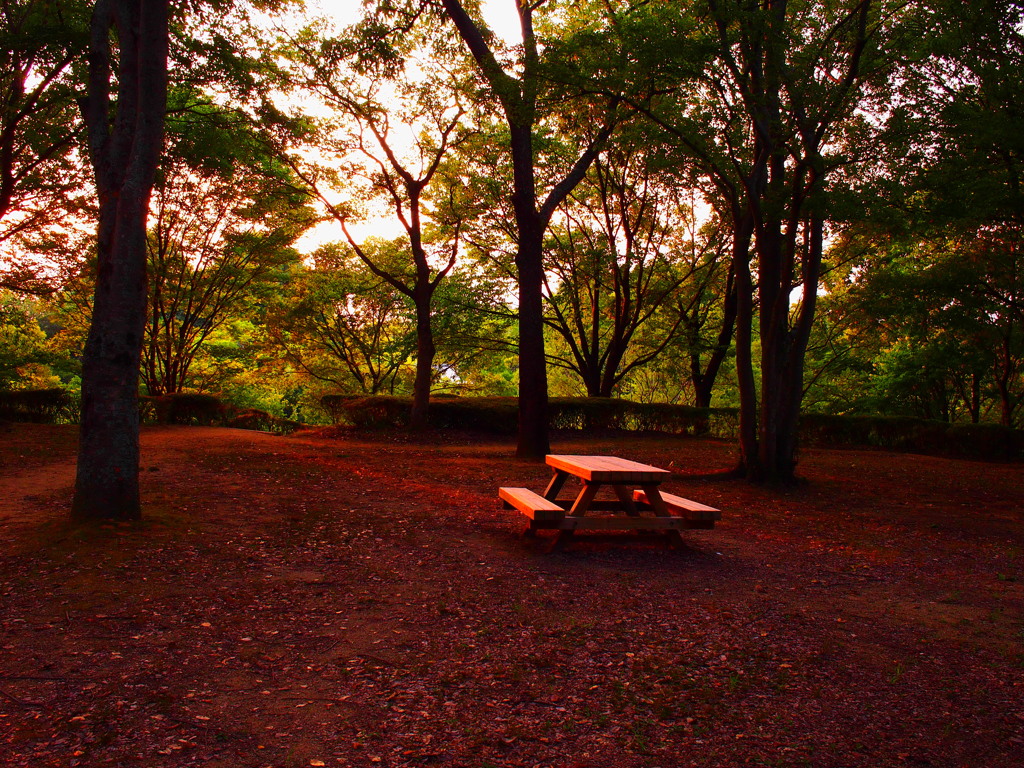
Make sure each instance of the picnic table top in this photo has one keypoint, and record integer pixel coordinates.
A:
(607, 469)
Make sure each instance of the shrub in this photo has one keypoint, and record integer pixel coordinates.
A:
(368, 412)
(487, 414)
(260, 421)
(182, 408)
(335, 406)
(985, 441)
(902, 433)
(39, 406)
(500, 414)
(587, 413)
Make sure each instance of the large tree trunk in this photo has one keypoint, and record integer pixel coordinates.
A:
(533, 373)
(124, 153)
(425, 352)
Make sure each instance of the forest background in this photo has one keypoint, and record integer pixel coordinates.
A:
(768, 206)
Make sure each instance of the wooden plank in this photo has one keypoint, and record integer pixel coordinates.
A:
(570, 523)
(599, 505)
(608, 469)
(531, 504)
(687, 508)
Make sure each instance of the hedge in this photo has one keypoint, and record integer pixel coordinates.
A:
(182, 408)
(209, 410)
(58, 406)
(39, 406)
(499, 415)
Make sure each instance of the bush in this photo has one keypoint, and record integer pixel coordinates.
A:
(903, 433)
(335, 406)
(499, 415)
(209, 410)
(985, 441)
(39, 406)
(368, 412)
(182, 408)
(260, 421)
(586, 413)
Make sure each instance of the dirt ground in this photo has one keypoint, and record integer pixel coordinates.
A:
(331, 599)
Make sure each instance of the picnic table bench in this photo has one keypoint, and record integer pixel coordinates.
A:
(638, 503)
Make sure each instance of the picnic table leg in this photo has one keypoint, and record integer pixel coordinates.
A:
(661, 510)
(626, 498)
(579, 509)
(586, 495)
(555, 486)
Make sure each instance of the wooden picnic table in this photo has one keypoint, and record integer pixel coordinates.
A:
(639, 504)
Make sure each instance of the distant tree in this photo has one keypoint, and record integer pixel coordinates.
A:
(40, 180)
(347, 326)
(474, 328)
(225, 216)
(24, 353)
(395, 127)
(611, 265)
(947, 316)
(702, 312)
(518, 84)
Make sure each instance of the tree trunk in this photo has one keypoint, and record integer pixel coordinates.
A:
(704, 381)
(749, 462)
(1003, 377)
(533, 374)
(108, 459)
(425, 352)
(124, 153)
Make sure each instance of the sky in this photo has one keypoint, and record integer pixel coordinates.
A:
(500, 15)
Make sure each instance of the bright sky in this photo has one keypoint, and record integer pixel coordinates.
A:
(500, 15)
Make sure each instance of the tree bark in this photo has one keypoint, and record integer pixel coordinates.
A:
(124, 153)
(425, 352)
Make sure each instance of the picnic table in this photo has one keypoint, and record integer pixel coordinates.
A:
(638, 502)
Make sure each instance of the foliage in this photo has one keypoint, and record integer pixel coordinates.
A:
(938, 315)
(904, 433)
(498, 414)
(42, 182)
(225, 216)
(25, 355)
(346, 326)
